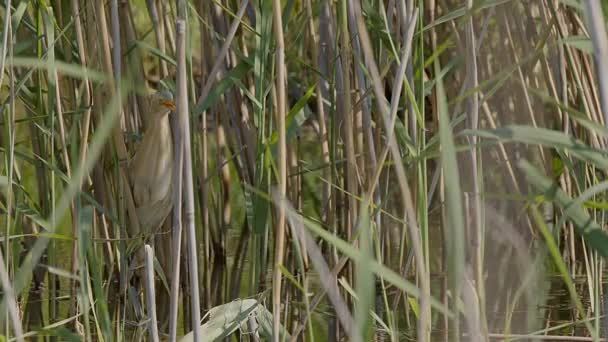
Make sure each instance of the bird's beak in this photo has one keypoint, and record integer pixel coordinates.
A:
(169, 104)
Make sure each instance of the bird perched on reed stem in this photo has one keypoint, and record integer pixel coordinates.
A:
(151, 170)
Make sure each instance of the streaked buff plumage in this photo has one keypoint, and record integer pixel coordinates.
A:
(151, 170)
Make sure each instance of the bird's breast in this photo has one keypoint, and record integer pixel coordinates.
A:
(152, 167)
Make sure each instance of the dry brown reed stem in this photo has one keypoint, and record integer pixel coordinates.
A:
(522, 79)
(221, 57)
(505, 337)
(375, 177)
(12, 305)
(471, 303)
(165, 12)
(555, 80)
(405, 12)
(473, 99)
(188, 191)
(54, 81)
(327, 64)
(280, 112)
(414, 228)
(3, 52)
(58, 107)
(86, 99)
(151, 294)
(11, 301)
(123, 187)
(204, 150)
(597, 29)
(116, 48)
(119, 144)
(346, 114)
(159, 35)
(474, 294)
(397, 88)
(241, 137)
(328, 280)
(437, 178)
(364, 109)
(178, 173)
(101, 188)
(176, 230)
(573, 60)
(319, 63)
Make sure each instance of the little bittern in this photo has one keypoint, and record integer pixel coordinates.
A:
(151, 169)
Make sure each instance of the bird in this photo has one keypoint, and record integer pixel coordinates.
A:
(151, 169)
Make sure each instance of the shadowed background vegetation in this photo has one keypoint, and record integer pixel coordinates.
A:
(390, 170)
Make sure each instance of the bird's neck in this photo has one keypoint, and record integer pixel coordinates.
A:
(160, 124)
(157, 135)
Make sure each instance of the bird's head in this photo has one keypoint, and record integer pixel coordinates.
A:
(162, 103)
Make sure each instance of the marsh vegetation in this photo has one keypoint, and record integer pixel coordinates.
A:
(429, 170)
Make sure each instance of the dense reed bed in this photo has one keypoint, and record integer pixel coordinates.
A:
(429, 170)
